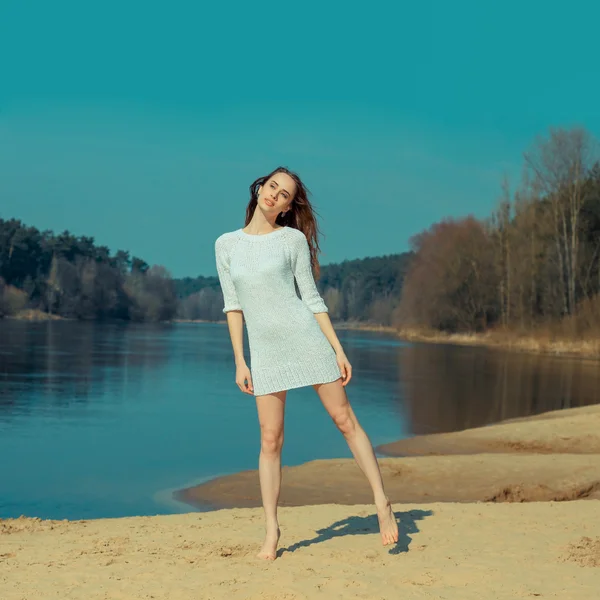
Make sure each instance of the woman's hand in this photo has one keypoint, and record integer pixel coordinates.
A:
(242, 375)
(345, 366)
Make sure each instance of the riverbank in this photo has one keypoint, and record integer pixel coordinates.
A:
(32, 314)
(547, 457)
(541, 343)
(471, 526)
(569, 431)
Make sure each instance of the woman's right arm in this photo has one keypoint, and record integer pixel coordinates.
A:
(235, 316)
(235, 322)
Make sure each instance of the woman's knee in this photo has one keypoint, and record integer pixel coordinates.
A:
(271, 441)
(344, 421)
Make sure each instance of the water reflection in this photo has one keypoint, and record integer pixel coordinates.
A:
(449, 388)
(66, 362)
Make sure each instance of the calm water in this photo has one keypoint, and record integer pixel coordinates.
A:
(101, 420)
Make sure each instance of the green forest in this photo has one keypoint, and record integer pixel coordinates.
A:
(68, 276)
(535, 260)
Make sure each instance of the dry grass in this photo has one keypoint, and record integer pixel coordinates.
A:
(548, 340)
(197, 321)
(540, 341)
(31, 314)
(364, 326)
(576, 335)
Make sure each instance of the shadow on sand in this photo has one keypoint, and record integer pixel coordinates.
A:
(407, 524)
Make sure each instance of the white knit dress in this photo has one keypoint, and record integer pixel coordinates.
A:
(287, 347)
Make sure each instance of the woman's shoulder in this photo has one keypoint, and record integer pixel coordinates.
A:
(227, 237)
(295, 234)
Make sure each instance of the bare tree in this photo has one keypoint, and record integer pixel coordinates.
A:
(501, 234)
(334, 301)
(561, 165)
(52, 284)
(452, 282)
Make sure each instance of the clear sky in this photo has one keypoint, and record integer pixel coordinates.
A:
(142, 124)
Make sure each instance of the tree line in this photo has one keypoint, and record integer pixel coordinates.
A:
(70, 276)
(360, 290)
(534, 261)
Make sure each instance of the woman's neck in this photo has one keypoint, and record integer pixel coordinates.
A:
(260, 227)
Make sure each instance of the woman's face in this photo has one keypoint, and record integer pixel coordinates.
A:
(276, 194)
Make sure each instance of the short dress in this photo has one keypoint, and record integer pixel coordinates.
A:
(287, 346)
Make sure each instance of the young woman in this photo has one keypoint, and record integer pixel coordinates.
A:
(292, 342)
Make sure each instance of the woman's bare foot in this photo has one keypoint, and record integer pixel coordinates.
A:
(269, 549)
(387, 524)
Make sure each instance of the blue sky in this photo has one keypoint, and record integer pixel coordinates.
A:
(143, 124)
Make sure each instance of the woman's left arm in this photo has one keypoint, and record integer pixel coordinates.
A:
(342, 360)
(301, 266)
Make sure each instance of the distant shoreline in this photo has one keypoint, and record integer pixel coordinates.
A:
(33, 314)
(503, 340)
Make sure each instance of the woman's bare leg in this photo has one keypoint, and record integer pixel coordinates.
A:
(334, 399)
(271, 409)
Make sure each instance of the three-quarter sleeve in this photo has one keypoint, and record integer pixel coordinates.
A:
(222, 255)
(301, 267)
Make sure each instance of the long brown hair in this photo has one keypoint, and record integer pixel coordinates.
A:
(300, 215)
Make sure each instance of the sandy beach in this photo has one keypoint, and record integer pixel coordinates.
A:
(500, 512)
(552, 456)
(451, 551)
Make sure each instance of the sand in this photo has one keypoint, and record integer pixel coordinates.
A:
(553, 456)
(472, 478)
(571, 430)
(451, 551)
(523, 522)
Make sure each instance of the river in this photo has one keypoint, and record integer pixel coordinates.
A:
(107, 420)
